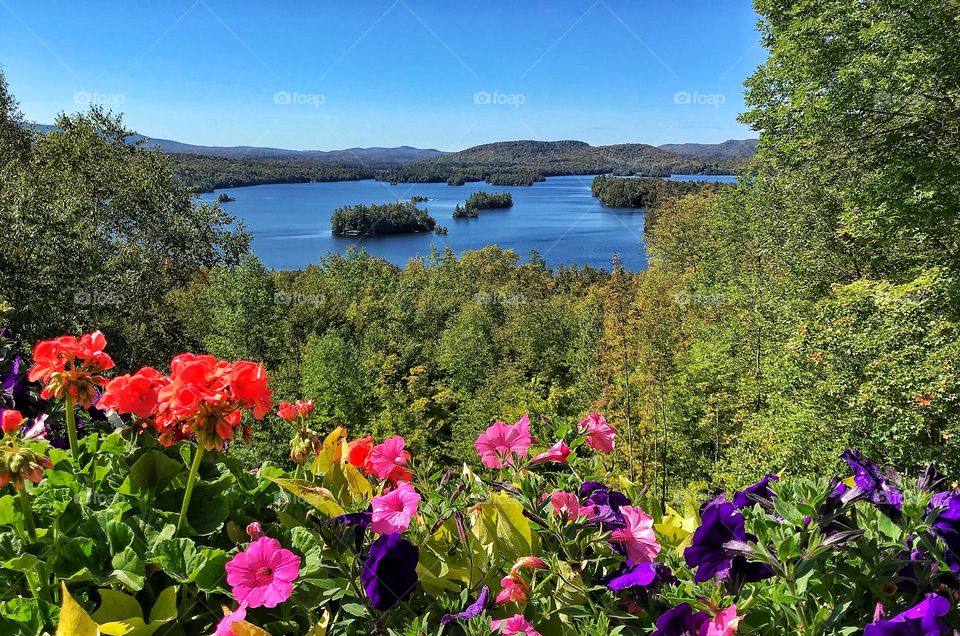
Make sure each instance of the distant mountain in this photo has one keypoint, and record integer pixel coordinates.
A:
(375, 155)
(730, 149)
(525, 161)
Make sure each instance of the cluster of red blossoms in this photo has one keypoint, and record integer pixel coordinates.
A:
(68, 366)
(291, 411)
(202, 396)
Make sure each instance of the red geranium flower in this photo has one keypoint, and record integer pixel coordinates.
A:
(135, 393)
(68, 366)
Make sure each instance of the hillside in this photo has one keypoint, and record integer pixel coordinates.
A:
(732, 148)
(525, 161)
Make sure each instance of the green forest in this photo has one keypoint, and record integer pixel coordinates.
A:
(814, 306)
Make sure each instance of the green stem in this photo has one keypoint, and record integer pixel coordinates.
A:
(27, 513)
(191, 482)
(72, 431)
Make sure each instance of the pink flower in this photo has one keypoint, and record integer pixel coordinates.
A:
(638, 536)
(514, 591)
(516, 624)
(501, 441)
(557, 453)
(724, 623)
(532, 562)
(225, 627)
(566, 503)
(599, 432)
(393, 511)
(389, 460)
(263, 575)
(254, 531)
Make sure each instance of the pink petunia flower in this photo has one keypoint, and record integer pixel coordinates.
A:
(638, 537)
(514, 590)
(389, 460)
(566, 503)
(225, 627)
(556, 453)
(499, 443)
(531, 562)
(393, 511)
(254, 530)
(263, 574)
(516, 624)
(725, 623)
(600, 433)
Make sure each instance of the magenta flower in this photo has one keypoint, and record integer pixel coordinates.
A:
(389, 460)
(393, 511)
(499, 443)
(600, 433)
(638, 537)
(254, 530)
(556, 453)
(725, 622)
(225, 626)
(263, 575)
(512, 590)
(516, 624)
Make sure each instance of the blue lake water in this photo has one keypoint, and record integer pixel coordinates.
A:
(558, 218)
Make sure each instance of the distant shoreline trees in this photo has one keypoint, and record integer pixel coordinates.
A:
(482, 201)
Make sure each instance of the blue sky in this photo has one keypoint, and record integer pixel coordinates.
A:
(429, 73)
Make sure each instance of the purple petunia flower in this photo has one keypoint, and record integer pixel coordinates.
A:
(923, 619)
(682, 621)
(14, 385)
(931, 479)
(606, 504)
(471, 611)
(719, 547)
(946, 525)
(742, 499)
(359, 521)
(390, 572)
(647, 575)
(871, 485)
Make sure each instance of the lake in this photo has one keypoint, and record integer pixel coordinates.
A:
(559, 218)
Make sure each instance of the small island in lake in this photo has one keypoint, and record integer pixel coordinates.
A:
(225, 198)
(482, 201)
(419, 199)
(389, 218)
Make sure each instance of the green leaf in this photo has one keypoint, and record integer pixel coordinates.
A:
(150, 475)
(318, 497)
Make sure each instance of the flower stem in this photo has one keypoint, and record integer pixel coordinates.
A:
(191, 482)
(27, 513)
(72, 430)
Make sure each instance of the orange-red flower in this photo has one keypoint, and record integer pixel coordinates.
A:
(358, 454)
(69, 366)
(12, 420)
(135, 393)
(289, 411)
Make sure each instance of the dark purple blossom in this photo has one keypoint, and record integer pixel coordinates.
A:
(682, 621)
(470, 611)
(871, 484)
(359, 521)
(946, 525)
(647, 575)
(719, 547)
(390, 572)
(923, 619)
(761, 489)
(606, 504)
(14, 385)
(931, 479)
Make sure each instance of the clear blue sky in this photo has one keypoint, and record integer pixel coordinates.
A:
(430, 73)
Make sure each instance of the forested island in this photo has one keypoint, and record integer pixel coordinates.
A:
(482, 201)
(388, 218)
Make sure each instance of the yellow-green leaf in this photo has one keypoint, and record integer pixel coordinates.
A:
(317, 496)
(74, 620)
